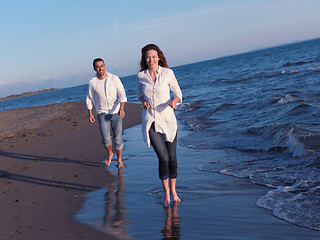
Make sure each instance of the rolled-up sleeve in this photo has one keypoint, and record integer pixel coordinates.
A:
(174, 86)
(121, 93)
(89, 101)
(139, 88)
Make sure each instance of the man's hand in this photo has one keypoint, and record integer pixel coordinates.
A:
(91, 118)
(122, 113)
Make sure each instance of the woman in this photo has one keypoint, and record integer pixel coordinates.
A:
(159, 124)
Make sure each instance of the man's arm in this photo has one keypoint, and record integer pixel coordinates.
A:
(121, 111)
(91, 117)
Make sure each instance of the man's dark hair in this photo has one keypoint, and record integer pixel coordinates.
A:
(97, 60)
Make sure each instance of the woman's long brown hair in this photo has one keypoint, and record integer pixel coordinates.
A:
(162, 58)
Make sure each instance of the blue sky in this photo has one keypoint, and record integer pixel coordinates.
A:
(48, 44)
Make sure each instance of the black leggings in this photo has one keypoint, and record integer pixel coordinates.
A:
(166, 152)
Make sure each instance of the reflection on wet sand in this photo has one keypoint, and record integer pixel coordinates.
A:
(171, 229)
(115, 212)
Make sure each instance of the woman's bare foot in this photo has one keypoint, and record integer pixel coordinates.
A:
(166, 202)
(108, 160)
(166, 199)
(176, 199)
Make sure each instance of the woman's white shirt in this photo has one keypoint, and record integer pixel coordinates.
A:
(158, 95)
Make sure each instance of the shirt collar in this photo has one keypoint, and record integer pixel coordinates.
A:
(160, 69)
(107, 76)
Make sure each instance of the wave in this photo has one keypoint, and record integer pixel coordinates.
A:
(267, 75)
(300, 109)
(299, 208)
(286, 99)
(263, 118)
(289, 64)
(189, 107)
(223, 106)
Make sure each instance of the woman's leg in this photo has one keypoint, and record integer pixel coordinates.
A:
(175, 197)
(166, 153)
(165, 184)
(172, 150)
(159, 145)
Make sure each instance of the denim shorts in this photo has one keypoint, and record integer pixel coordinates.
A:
(110, 126)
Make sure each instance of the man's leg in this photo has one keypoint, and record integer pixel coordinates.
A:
(110, 155)
(104, 126)
(116, 124)
(119, 158)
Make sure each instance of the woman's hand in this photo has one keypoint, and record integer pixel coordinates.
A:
(146, 105)
(173, 104)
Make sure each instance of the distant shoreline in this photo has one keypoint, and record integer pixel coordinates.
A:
(27, 94)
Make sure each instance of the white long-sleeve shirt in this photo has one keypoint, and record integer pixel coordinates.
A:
(106, 94)
(158, 95)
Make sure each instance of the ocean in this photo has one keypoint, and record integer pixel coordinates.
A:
(261, 108)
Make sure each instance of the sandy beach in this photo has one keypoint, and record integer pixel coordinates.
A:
(49, 156)
(54, 186)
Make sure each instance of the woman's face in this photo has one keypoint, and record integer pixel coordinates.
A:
(152, 58)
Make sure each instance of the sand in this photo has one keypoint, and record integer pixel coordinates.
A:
(50, 157)
(54, 186)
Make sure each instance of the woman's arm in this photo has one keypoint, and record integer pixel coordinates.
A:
(146, 104)
(174, 102)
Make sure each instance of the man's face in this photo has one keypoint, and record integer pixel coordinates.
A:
(100, 68)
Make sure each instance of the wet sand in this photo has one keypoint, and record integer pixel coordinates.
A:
(214, 206)
(50, 156)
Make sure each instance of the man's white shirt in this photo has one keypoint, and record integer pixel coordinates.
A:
(106, 94)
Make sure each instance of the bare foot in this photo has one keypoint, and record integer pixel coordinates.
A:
(166, 202)
(121, 165)
(166, 199)
(176, 199)
(108, 160)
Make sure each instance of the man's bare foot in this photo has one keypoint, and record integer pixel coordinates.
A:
(121, 165)
(108, 160)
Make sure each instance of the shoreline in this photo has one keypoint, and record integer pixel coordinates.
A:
(27, 94)
(213, 204)
(52, 156)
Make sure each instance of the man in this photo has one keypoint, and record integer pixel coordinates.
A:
(107, 94)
